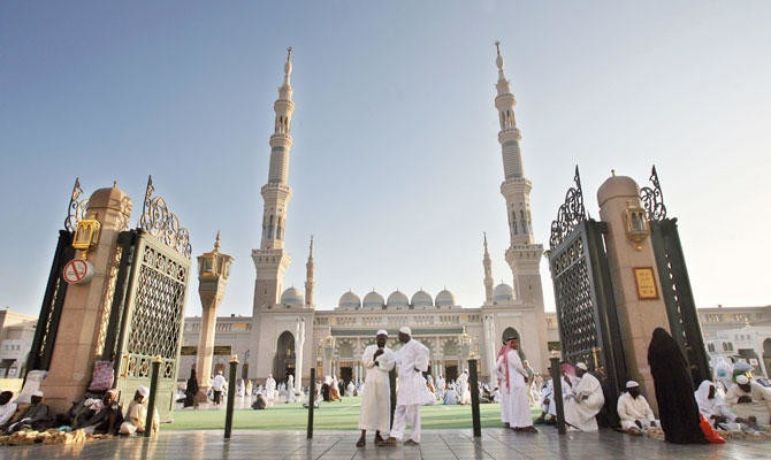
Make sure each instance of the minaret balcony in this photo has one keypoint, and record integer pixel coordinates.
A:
(509, 135)
(516, 185)
(281, 140)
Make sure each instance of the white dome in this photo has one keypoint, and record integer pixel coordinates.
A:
(503, 293)
(422, 299)
(349, 301)
(445, 298)
(292, 297)
(398, 300)
(373, 300)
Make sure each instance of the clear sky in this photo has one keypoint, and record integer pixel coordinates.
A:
(396, 166)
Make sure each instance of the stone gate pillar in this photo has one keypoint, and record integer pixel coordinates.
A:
(86, 306)
(634, 276)
(213, 273)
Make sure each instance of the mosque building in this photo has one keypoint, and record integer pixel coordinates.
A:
(287, 334)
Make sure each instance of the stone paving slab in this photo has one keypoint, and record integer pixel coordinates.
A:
(436, 445)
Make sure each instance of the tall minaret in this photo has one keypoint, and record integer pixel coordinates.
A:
(271, 261)
(310, 267)
(487, 264)
(523, 254)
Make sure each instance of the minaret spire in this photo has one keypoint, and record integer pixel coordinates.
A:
(487, 264)
(310, 268)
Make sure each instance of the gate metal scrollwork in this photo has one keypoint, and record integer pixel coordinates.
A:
(653, 199)
(76, 210)
(675, 282)
(159, 221)
(570, 213)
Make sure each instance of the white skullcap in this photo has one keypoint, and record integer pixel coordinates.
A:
(406, 330)
(582, 366)
(144, 391)
(742, 380)
(382, 332)
(37, 393)
(632, 384)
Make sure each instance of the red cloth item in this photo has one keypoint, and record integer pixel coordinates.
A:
(504, 351)
(102, 377)
(712, 436)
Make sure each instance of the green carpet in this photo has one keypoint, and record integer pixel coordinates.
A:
(330, 416)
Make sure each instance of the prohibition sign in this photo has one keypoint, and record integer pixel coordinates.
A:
(77, 271)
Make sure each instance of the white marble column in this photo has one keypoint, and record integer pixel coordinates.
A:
(299, 345)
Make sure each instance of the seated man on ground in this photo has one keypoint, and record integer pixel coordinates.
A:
(136, 414)
(7, 408)
(634, 411)
(584, 401)
(750, 401)
(450, 397)
(714, 408)
(36, 417)
(108, 416)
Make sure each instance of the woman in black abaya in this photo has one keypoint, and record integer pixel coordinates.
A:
(678, 410)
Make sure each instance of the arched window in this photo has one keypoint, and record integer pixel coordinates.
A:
(514, 222)
(524, 221)
(270, 227)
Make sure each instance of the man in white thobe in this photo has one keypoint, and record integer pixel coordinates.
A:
(584, 401)
(503, 385)
(412, 360)
(750, 400)
(440, 388)
(634, 411)
(515, 383)
(218, 385)
(463, 389)
(270, 389)
(378, 360)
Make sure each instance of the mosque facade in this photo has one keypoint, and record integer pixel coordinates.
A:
(287, 334)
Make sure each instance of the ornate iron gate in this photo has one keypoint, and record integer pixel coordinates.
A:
(675, 283)
(56, 289)
(586, 312)
(147, 314)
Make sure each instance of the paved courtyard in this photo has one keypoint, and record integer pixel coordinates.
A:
(437, 444)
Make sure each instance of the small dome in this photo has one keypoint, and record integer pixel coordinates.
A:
(503, 293)
(292, 297)
(373, 300)
(617, 186)
(398, 300)
(349, 301)
(422, 299)
(445, 298)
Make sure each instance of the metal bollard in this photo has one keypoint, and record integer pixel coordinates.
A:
(311, 400)
(153, 390)
(557, 393)
(392, 385)
(231, 396)
(474, 388)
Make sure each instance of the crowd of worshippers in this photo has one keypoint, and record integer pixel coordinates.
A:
(95, 415)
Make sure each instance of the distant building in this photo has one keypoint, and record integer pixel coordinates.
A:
(739, 334)
(735, 333)
(16, 333)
